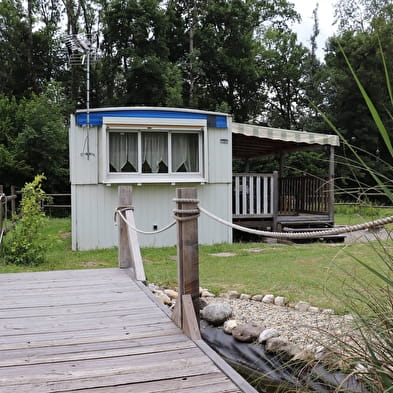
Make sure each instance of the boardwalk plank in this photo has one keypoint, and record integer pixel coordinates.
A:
(207, 383)
(95, 331)
(13, 357)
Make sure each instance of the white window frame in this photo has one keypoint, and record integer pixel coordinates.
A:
(139, 125)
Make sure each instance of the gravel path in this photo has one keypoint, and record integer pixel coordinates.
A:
(303, 328)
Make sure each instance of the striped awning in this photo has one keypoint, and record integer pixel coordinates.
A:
(277, 134)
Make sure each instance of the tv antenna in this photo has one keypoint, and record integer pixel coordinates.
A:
(80, 51)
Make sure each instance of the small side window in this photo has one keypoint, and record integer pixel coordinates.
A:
(185, 152)
(123, 152)
(154, 152)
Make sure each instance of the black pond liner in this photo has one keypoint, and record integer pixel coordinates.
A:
(271, 373)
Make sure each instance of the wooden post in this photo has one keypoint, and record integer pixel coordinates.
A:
(1, 207)
(125, 200)
(13, 194)
(187, 252)
(282, 165)
(275, 201)
(331, 185)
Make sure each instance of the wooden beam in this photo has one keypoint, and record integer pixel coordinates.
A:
(275, 200)
(1, 207)
(135, 251)
(190, 322)
(124, 257)
(187, 247)
(13, 195)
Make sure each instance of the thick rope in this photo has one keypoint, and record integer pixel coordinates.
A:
(119, 212)
(185, 200)
(302, 235)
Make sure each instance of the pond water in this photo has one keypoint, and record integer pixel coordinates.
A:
(270, 373)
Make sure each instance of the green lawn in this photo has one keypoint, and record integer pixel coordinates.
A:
(310, 272)
(351, 215)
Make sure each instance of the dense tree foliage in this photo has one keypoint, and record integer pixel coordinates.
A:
(364, 40)
(238, 56)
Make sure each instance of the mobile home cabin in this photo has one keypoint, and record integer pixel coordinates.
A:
(157, 150)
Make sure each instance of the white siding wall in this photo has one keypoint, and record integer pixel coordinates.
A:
(93, 207)
(220, 155)
(93, 204)
(83, 170)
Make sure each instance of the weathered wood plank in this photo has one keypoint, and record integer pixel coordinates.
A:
(190, 322)
(29, 355)
(62, 338)
(22, 358)
(95, 330)
(124, 198)
(19, 328)
(123, 377)
(135, 250)
(107, 308)
(207, 383)
(64, 275)
(143, 367)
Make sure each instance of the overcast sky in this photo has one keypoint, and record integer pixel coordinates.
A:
(325, 16)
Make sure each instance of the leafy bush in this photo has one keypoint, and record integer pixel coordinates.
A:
(25, 244)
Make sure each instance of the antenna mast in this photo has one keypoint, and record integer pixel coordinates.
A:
(77, 44)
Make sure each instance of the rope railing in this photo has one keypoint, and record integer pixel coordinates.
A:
(302, 235)
(194, 213)
(119, 212)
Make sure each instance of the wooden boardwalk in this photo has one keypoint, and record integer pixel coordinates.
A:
(98, 331)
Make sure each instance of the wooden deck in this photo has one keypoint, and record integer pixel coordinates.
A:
(98, 331)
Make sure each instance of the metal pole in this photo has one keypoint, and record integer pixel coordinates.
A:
(88, 102)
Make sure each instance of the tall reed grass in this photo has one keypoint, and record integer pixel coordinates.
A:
(369, 350)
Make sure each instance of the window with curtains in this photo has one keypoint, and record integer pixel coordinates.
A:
(154, 152)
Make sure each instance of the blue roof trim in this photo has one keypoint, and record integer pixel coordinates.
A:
(217, 121)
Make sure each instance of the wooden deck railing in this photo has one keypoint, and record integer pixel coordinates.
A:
(253, 195)
(303, 194)
(7, 208)
(265, 195)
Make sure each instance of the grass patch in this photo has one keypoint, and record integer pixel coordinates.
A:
(309, 272)
(59, 255)
(358, 214)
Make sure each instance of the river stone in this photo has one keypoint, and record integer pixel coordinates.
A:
(201, 303)
(229, 325)
(314, 309)
(247, 332)
(244, 296)
(268, 299)
(280, 301)
(206, 293)
(232, 294)
(216, 313)
(302, 306)
(165, 299)
(171, 293)
(305, 355)
(153, 287)
(268, 334)
(257, 298)
(276, 344)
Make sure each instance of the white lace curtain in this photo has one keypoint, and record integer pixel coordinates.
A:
(154, 152)
(185, 155)
(123, 152)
